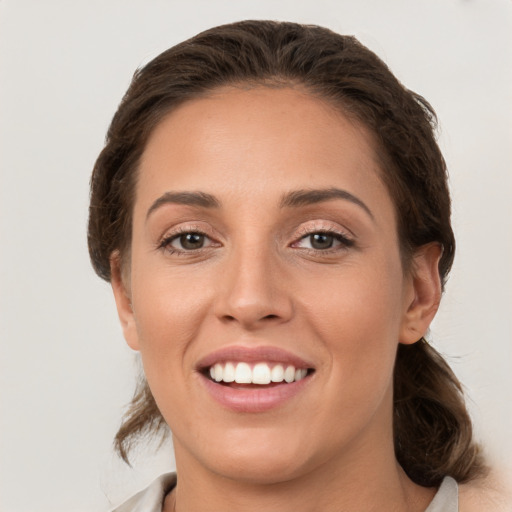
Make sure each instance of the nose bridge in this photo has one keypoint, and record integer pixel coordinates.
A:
(253, 287)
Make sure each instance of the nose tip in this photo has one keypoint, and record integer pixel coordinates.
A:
(251, 315)
(253, 294)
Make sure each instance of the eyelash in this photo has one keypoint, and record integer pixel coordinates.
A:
(165, 243)
(344, 240)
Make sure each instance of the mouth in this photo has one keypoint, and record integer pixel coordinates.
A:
(255, 379)
(260, 374)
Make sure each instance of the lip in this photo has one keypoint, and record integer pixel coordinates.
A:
(254, 399)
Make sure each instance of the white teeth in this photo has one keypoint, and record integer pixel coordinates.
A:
(243, 374)
(300, 374)
(261, 373)
(289, 374)
(229, 373)
(277, 373)
(218, 372)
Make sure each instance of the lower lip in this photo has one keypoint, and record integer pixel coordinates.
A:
(254, 399)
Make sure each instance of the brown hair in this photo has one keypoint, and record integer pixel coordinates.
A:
(432, 428)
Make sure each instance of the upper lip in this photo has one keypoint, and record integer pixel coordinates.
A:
(239, 353)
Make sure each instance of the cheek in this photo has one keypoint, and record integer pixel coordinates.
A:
(168, 312)
(357, 315)
(363, 299)
(168, 317)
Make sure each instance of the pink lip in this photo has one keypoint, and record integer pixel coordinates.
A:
(257, 398)
(254, 399)
(253, 355)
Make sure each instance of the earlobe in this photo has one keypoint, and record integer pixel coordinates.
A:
(122, 296)
(423, 295)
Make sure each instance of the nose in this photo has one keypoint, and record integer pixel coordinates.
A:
(253, 290)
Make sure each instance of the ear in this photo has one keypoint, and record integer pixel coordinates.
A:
(122, 295)
(423, 293)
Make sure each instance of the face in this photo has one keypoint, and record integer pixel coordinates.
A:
(265, 291)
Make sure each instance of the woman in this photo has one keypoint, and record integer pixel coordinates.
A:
(272, 211)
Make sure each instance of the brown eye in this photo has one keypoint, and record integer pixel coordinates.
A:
(189, 241)
(321, 241)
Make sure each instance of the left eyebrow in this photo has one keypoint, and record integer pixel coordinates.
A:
(200, 199)
(306, 197)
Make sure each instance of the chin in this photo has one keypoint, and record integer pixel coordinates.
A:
(260, 469)
(251, 455)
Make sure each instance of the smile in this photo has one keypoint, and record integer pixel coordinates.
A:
(259, 373)
(254, 379)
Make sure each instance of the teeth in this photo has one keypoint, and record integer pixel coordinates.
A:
(218, 372)
(300, 374)
(243, 374)
(229, 373)
(261, 373)
(289, 374)
(277, 374)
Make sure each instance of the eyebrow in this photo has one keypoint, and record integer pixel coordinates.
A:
(306, 197)
(201, 199)
(292, 199)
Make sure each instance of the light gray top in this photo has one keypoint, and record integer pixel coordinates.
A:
(446, 498)
(151, 499)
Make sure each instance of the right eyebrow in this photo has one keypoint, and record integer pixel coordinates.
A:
(187, 198)
(305, 197)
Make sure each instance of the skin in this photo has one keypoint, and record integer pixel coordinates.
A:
(258, 281)
(493, 492)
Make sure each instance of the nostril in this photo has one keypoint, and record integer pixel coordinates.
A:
(231, 318)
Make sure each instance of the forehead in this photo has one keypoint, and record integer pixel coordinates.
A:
(261, 139)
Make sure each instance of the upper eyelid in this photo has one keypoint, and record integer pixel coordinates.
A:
(186, 228)
(333, 231)
(323, 226)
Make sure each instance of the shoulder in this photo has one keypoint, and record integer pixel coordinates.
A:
(490, 493)
(151, 498)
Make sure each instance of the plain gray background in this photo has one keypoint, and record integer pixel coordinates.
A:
(65, 372)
